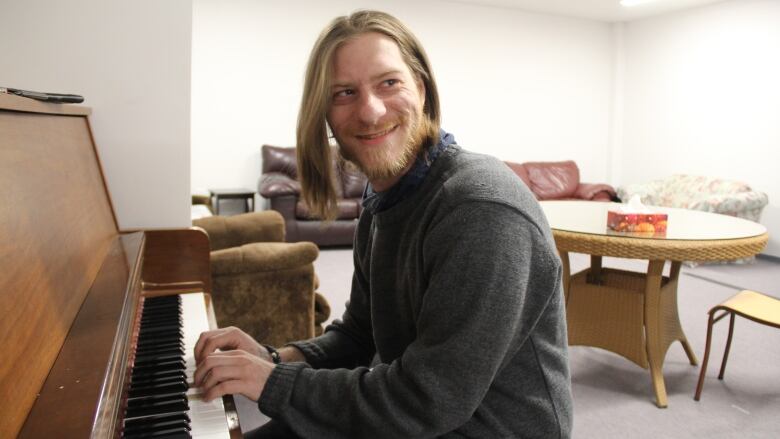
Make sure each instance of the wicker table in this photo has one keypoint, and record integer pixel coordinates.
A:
(635, 314)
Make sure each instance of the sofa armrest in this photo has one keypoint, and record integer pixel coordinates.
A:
(650, 193)
(276, 184)
(233, 231)
(595, 191)
(742, 204)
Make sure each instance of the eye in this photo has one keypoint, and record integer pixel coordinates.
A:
(344, 93)
(390, 82)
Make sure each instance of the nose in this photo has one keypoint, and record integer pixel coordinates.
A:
(371, 108)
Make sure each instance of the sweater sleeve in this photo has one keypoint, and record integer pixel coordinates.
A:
(348, 342)
(483, 261)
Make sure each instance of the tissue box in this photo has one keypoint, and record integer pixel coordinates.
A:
(644, 223)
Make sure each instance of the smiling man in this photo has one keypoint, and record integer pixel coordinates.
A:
(455, 325)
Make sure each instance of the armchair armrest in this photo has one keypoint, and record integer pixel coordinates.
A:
(263, 257)
(595, 191)
(267, 289)
(225, 232)
(276, 184)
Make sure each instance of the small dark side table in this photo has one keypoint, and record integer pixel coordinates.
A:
(248, 195)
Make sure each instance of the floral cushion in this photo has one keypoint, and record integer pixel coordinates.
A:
(707, 194)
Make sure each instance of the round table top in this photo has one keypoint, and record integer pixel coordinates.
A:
(691, 235)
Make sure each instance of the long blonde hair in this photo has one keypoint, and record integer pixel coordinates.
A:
(313, 148)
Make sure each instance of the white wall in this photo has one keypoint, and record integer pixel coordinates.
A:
(702, 96)
(131, 62)
(517, 85)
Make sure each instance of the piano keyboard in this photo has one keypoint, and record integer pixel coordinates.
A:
(162, 400)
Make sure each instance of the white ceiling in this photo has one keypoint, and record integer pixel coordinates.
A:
(601, 10)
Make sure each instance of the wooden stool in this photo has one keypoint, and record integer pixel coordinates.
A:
(748, 304)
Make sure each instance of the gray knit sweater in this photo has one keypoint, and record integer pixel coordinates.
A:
(455, 325)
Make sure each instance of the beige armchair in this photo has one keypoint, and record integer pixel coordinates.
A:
(262, 284)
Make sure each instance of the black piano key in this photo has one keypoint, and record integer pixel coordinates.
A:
(161, 300)
(152, 339)
(157, 375)
(147, 427)
(153, 380)
(156, 358)
(173, 329)
(139, 423)
(177, 433)
(158, 389)
(158, 308)
(148, 314)
(140, 412)
(161, 316)
(153, 350)
(179, 427)
(173, 320)
(176, 364)
(156, 405)
(151, 400)
(160, 342)
(150, 374)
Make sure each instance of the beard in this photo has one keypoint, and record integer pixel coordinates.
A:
(389, 160)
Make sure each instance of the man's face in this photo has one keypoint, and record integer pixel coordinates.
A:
(376, 108)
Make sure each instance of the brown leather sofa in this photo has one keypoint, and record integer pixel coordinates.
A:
(280, 187)
(560, 181)
(260, 283)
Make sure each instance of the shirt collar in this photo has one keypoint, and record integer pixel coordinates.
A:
(376, 202)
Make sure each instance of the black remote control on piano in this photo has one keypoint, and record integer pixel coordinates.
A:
(43, 96)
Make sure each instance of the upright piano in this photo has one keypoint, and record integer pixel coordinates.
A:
(97, 326)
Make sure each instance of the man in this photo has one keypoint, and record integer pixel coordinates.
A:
(455, 325)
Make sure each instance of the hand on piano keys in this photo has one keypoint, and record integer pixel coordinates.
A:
(229, 361)
(228, 339)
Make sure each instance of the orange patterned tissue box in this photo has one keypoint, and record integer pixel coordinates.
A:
(650, 223)
(636, 218)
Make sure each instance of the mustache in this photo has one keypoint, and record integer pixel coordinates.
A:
(364, 129)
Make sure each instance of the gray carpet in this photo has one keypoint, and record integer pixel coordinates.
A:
(614, 398)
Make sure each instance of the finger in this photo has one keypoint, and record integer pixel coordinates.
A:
(220, 374)
(222, 339)
(215, 360)
(205, 367)
(229, 387)
(200, 346)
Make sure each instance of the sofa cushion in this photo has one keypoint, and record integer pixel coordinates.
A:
(553, 180)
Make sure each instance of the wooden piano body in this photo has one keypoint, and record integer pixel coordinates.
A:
(70, 282)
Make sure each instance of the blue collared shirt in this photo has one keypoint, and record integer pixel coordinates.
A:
(378, 201)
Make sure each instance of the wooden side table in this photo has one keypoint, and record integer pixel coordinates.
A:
(248, 195)
(635, 314)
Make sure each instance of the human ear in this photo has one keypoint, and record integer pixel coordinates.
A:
(420, 89)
